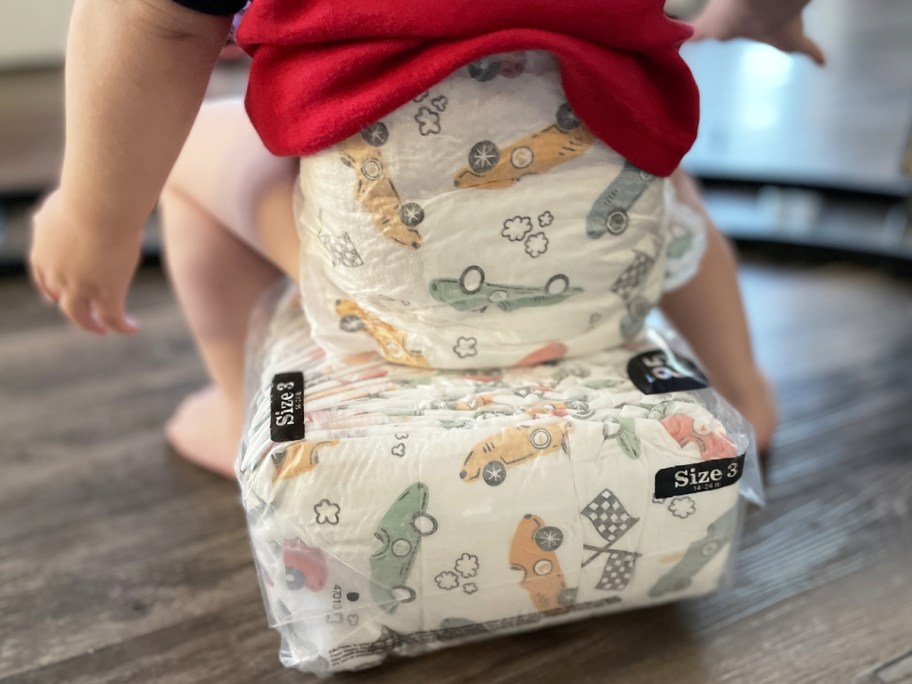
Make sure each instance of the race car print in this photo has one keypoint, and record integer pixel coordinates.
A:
(698, 554)
(533, 553)
(472, 292)
(490, 458)
(374, 189)
(491, 167)
(305, 566)
(609, 211)
(712, 442)
(352, 318)
(400, 532)
(298, 458)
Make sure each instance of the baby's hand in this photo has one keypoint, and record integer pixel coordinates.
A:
(84, 266)
(776, 23)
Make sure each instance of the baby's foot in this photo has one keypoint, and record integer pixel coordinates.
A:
(205, 431)
(756, 402)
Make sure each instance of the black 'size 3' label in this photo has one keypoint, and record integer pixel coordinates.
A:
(698, 477)
(656, 372)
(287, 424)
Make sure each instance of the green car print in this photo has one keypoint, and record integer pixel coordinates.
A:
(698, 554)
(609, 212)
(400, 533)
(472, 292)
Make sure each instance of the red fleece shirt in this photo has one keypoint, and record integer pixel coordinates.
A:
(325, 69)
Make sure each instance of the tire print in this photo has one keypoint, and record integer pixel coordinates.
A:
(374, 189)
(490, 167)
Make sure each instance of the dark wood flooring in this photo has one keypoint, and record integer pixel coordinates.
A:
(121, 563)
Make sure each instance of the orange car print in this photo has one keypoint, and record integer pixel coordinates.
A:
(490, 458)
(353, 318)
(491, 167)
(298, 458)
(374, 190)
(533, 552)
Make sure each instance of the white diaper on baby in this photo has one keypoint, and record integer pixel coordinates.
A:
(484, 225)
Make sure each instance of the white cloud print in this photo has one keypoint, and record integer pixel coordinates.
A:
(447, 580)
(467, 565)
(428, 121)
(536, 245)
(327, 512)
(465, 347)
(516, 228)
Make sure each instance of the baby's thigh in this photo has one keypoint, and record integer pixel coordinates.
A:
(225, 169)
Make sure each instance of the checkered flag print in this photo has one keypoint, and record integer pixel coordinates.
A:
(633, 276)
(608, 515)
(618, 570)
(342, 249)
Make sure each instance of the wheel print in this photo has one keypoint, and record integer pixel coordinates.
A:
(557, 284)
(540, 438)
(710, 548)
(567, 119)
(548, 538)
(494, 473)
(351, 323)
(411, 214)
(617, 222)
(567, 597)
(542, 567)
(372, 169)
(471, 280)
(376, 135)
(483, 157)
(639, 307)
(484, 69)
(424, 524)
(400, 548)
(403, 594)
(522, 157)
(294, 579)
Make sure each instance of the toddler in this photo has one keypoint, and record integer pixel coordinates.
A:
(136, 73)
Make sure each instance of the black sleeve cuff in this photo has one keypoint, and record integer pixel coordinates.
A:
(221, 8)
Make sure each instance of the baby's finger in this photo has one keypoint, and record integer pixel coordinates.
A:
(812, 50)
(48, 294)
(110, 312)
(79, 310)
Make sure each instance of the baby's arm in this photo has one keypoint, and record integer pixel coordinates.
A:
(135, 77)
(774, 22)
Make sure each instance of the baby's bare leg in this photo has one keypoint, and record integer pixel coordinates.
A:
(229, 235)
(709, 313)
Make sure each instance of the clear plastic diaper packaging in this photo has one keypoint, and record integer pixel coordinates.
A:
(395, 510)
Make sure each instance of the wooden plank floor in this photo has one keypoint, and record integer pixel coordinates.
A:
(121, 563)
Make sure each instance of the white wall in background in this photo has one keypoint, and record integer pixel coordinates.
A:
(33, 32)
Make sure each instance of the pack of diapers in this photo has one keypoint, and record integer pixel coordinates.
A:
(462, 426)
(395, 510)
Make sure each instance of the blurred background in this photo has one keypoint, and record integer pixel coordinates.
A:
(120, 562)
